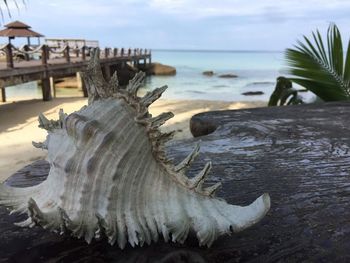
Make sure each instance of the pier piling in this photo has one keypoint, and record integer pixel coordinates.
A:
(52, 86)
(3, 94)
(9, 56)
(46, 89)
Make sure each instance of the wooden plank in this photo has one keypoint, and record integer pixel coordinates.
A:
(9, 56)
(54, 64)
(46, 89)
(299, 154)
(67, 55)
(53, 86)
(45, 68)
(3, 94)
(44, 55)
(83, 53)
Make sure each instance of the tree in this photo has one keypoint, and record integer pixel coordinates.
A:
(6, 6)
(325, 72)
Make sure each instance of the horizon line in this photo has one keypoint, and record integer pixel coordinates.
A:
(217, 50)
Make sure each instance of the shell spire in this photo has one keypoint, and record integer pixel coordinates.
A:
(110, 176)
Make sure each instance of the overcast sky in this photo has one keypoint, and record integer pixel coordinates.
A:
(185, 24)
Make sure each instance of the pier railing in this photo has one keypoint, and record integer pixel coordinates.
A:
(19, 65)
(45, 53)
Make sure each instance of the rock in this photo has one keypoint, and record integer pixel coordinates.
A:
(161, 70)
(201, 127)
(252, 93)
(208, 73)
(263, 83)
(228, 76)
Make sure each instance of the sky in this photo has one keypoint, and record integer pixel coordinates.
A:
(184, 24)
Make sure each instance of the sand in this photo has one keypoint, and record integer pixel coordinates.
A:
(19, 125)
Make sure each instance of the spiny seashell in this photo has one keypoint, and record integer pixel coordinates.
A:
(109, 175)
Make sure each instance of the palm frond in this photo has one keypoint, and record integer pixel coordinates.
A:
(5, 5)
(321, 70)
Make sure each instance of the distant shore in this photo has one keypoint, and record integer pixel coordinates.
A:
(19, 125)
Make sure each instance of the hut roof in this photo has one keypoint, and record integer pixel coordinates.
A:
(18, 29)
(17, 24)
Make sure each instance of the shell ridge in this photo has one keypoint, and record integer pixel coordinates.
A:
(136, 83)
(142, 211)
(120, 196)
(96, 85)
(163, 193)
(16, 198)
(155, 182)
(82, 158)
(185, 164)
(95, 189)
(224, 225)
(207, 230)
(179, 224)
(75, 162)
(130, 212)
(114, 83)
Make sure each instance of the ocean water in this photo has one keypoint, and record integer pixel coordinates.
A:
(31, 90)
(256, 71)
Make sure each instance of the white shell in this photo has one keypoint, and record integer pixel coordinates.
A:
(110, 177)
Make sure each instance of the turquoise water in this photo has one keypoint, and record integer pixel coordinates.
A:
(31, 90)
(257, 71)
(25, 91)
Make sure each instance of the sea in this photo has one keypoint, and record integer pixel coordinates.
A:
(255, 70)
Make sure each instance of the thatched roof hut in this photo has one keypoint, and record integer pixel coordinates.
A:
(19, 29)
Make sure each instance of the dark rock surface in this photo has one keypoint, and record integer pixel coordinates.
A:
(208, 73)
(253, 93)
(228, 76)
(298, 154)
(159, 69)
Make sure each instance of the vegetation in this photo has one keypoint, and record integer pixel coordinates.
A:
(325, 72)
(5, 3)
(284, 94)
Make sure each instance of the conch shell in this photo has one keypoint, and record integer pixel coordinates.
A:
(110, 177)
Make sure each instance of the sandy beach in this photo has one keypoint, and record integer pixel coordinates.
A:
(19, 125)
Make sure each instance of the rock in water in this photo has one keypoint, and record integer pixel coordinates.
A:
(208, 73)
(109, 175)
(161, 70)
(253, 93)
(228, 76)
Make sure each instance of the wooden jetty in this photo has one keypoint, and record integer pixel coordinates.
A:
(46, 63)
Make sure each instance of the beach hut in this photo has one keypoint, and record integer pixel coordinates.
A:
(19, 29)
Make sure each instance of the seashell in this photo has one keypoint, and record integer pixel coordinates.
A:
(110, 177)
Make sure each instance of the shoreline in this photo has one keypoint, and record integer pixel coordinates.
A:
(19, 125)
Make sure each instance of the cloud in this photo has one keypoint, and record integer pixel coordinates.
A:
(204, 24)
(201, 9)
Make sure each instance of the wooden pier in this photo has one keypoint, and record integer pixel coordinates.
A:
(46, 63)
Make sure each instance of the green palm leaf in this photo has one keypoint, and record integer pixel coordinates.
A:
(324, 72)
(6, 3)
